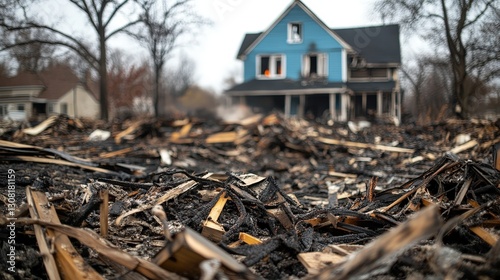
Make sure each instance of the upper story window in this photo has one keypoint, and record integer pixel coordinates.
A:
(270, 66)
(315, 65)
(370, 73)
(295, 33)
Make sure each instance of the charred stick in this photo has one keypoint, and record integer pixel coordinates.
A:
(131, 185)
(76, 218)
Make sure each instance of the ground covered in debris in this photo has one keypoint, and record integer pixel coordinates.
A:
(280, 199)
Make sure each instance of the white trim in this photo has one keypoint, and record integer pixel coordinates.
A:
(288, 91)
(344, 65)
(272, 66)
(311, 14)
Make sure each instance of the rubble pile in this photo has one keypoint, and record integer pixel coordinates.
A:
(264, 197)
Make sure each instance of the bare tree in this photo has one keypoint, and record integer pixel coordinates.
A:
(100, 15)
(33, 57)
(452, 24)
(165, 22)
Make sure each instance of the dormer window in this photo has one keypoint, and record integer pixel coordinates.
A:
(270, 66)
(294, 33)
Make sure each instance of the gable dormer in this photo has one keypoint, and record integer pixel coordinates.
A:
(297, 45)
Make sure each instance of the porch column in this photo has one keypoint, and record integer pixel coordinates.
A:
(363, 101)
(333, 113)
(379, 102)
(394, 110)
(345, 105)
(302, 105)
(288, 103)
(399, 106)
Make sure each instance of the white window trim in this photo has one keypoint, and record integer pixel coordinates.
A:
(272, 58)
(289, 33)
(305, 64)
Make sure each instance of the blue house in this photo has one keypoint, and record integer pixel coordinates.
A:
(302, 67)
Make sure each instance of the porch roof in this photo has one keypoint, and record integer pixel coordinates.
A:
(284, 86)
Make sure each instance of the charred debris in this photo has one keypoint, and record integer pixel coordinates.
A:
(266, 197)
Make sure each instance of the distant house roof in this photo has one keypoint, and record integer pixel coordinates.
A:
(287, 85)
(56, 81)
(376, 44)
(22, 79)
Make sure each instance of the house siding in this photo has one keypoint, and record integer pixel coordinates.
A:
(314, 39)
(80, 103)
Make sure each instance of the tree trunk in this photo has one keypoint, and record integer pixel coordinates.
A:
(156, 93)
(103, 73)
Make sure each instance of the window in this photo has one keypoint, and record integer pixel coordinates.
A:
(315, 65)
(294, 33)
(270, 66)
(370, 73)
(3, 110)
(64, 108)
(20, 107)
(50, 108)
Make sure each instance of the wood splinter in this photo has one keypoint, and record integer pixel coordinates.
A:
(211, 228)
(160, 214)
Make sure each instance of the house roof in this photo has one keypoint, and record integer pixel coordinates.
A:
(56, 81)
(254, 39)
(22, 79)
(287, 85)
(376, 44)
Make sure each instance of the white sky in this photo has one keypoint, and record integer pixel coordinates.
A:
(216, 50)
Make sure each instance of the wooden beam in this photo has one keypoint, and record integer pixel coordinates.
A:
(350, 144)
(104, 212)
(69, 263)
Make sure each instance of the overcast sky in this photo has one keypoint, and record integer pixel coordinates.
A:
(215, 52)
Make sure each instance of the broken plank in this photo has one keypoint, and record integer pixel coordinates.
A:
(314, 262)
(116, 153)
(59, 162)
(350, 144)
(469, 145)
(425, 224)
(173, 193)
(485, 235)
(104, 212)
(40, 127)
(188, 249)
(41, 238)
(249, 239)
(211, 228)
(69, 263)
(226, 137)
(133, 127)
(92, 240)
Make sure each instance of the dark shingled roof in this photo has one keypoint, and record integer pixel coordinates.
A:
(287, 84)
(247, 41)
(376, 44)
